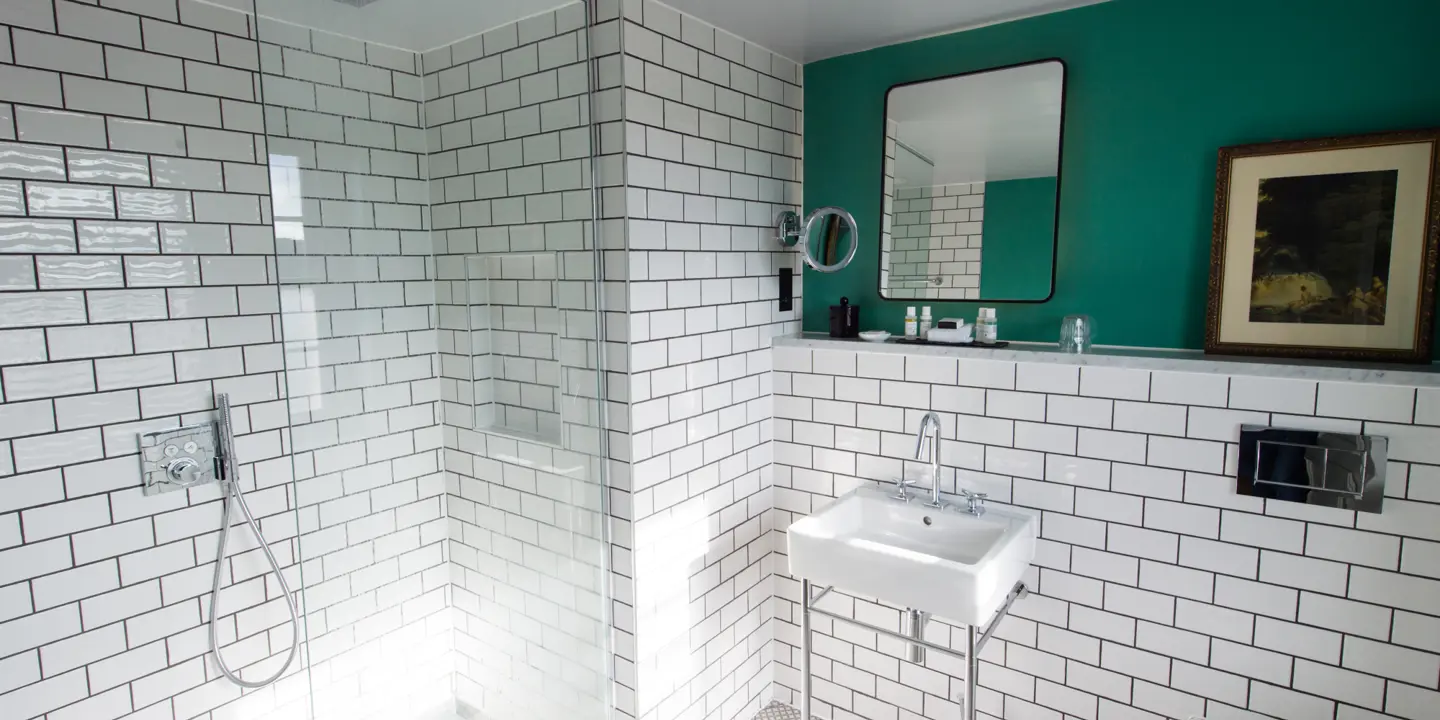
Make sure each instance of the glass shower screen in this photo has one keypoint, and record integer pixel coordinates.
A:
(430, 170)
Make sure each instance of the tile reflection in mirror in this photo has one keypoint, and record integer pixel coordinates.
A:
(971, 185)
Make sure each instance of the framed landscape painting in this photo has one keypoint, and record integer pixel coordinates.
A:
(1326, 248)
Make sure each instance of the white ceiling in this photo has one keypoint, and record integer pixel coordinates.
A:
(999, 125)
(810, 30)
(416, 25)
(802, 30)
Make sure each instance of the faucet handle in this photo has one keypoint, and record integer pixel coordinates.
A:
(975, 501)
(901, 484)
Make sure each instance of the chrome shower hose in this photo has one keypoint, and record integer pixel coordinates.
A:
(233, 496)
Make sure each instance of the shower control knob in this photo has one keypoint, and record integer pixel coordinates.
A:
(191, 447)
(185, 471)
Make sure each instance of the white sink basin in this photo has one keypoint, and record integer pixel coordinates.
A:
(948, 563)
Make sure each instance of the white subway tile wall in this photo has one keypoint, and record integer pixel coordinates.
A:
(139, 282)
(1158, 592)
(712, 152)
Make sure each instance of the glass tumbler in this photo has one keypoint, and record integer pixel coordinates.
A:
(1077, 332)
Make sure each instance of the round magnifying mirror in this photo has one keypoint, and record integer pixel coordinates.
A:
(831, 239)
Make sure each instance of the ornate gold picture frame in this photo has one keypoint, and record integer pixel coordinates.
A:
(1326, 248)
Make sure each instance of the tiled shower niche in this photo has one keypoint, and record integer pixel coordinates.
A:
(514, 339)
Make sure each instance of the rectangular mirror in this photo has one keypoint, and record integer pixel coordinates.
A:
(972, 185)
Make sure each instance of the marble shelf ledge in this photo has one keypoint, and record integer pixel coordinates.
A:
(1193, 361)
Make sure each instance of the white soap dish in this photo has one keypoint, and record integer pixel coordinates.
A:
(875, 336)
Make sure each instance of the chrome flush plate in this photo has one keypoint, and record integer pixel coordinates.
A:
(179, 458)
(1330, 469)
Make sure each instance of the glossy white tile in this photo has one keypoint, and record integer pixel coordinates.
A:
(28, 85)
(136, 204)
(1273, 394)
(100, 25)
(218, 270)
(22, 346)
(58, 127)
(145, 136)
(134, 371)
(78, 271)
(187, 174)
(12, 197)
(126, 305)
(55, 52)
(116, 237)
(80, 201)
(17, 273)
(48, 380)
(32, 162)
(36, 14)
(196, 239)
(36, 236)
(38, 309)
(202, 302)
(89, 341)
(159, 271)
(111, 168)
(45, 451)
(222, 208)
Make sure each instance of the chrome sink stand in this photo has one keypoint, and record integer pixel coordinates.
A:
(974, 642)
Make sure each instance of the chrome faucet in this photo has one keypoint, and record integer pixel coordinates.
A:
(975, 502)
(930, 422)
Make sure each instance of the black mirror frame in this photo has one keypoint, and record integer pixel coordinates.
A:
(1059, 174)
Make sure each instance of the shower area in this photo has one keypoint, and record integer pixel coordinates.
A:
(455, 315)
(438, 274)
(432, 472)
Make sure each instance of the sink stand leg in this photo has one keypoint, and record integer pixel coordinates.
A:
(974, 641)
(972, 669)
(805, 650)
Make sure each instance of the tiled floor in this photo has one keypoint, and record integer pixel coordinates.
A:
(778, 711)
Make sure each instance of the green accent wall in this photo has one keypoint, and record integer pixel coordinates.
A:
(1019, 239)
(1154, 88)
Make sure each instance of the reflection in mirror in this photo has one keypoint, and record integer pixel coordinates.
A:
(971, 186)
(830, 239)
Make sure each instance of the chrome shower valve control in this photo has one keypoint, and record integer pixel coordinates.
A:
(180, 458)
(185, 471)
